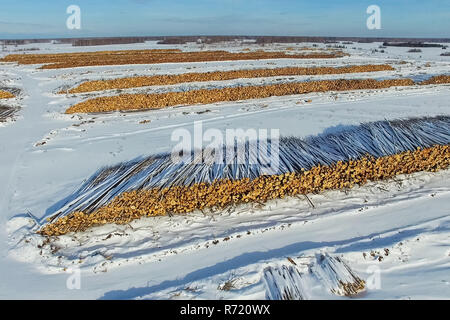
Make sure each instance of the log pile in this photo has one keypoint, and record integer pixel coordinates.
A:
(135, 204)
(7, 112)
(437, 80)
(205, 96)
(142, 81)
(103, 58)
(6, 95)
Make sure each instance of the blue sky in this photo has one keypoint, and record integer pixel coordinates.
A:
(399, 18)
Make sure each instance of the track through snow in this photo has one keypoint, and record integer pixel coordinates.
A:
(45, 155)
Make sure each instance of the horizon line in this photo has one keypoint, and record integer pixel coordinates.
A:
(447, 39)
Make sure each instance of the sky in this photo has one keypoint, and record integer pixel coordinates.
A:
(399, 18)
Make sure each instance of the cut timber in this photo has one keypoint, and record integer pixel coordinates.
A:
(442, 79)
(135, 204)
(142, 81)
(125, 57)
(204, 96)
(284, 283)
(6, 95)
(337, 276)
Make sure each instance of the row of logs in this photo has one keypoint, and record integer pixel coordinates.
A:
(142, 81)
(222, 193)
(71, 60)
(205, 96)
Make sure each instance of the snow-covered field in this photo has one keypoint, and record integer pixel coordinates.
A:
(395, 230)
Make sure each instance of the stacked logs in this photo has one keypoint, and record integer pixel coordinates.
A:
(7, 112)
(204, 96)
(103, 58)
(222, 193)
(441, 79)
(78, 56)
(142, 81)
(6, 95)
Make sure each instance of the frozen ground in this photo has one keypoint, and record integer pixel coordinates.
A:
(45, 155)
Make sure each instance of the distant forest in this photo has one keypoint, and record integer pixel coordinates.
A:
(412, 42)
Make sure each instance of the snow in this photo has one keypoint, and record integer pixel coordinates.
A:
(194, 256)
